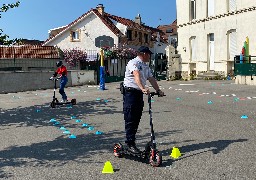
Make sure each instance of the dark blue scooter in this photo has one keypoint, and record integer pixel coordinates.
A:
(55, 101)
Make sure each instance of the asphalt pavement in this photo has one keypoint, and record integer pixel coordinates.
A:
(212, 123)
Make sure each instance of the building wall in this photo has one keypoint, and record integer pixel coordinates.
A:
(26, 81)
(202, 26)
(91, 27)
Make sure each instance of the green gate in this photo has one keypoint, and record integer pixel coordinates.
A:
(114, 69)
(245, 65)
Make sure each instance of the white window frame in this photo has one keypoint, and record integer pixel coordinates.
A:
(75, 35)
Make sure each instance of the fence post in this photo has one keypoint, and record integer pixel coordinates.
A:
(102, 70)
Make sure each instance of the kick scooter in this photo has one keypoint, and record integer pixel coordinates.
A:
(150, 154)
(55, 101)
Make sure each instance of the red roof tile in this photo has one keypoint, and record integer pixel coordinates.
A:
(28, 52)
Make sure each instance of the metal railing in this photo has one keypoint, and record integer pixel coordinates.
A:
(245, 65)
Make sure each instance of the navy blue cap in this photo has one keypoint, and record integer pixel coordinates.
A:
(144, 49)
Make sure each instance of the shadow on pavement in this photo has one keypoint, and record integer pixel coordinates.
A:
(61, 150)
(39, 115)
(214, 146)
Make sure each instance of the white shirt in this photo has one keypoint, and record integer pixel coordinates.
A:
(142, 67)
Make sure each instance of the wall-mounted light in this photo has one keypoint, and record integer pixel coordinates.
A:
(83, 28)
(184, 48)
(85, 32)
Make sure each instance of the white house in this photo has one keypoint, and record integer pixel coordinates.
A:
(212, 32)
(82, 32)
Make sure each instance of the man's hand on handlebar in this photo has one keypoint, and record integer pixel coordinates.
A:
(145, 91)
(53, 77)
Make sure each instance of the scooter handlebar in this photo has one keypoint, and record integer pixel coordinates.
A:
(54, 78)
(155, 93)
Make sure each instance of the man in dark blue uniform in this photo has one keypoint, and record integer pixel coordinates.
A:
(136, 74)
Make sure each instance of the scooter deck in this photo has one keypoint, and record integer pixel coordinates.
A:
(55, 102)
(122, 150)
(62, 103)
(141, 155)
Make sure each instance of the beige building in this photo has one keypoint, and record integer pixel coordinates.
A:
(212, 32)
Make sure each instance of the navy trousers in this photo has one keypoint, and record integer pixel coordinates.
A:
(132, 109)
(63, 82)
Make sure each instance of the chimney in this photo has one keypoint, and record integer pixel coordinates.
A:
(138, 19)
(100, 8)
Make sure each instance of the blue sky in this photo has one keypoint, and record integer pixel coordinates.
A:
(33, 18)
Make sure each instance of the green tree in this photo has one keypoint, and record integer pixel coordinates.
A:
(4, 38)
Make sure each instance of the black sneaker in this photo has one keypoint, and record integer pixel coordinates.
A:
(133, 149)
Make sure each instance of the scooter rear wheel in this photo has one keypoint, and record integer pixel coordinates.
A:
(53, 104)
(118, 150)
(157, 161)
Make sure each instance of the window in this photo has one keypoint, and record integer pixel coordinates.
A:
(146, 38)
(136, 34)
(75, 35)
(211, 52)
(169, 30)
(140, 37)
(129, 35)
(192, 9)
(211, 35)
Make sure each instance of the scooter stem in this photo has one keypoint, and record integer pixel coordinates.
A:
(150, 95)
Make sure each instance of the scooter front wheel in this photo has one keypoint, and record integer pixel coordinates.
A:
(155, 161)
(118, 150)
(73, 101)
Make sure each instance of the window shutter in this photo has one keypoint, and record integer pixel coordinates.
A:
(232, 45)
(193, 48)
(210, 8)
(232, 5)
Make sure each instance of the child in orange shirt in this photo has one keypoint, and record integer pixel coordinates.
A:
(62, 71)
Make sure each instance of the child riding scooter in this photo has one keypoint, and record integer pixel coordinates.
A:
(62, 71)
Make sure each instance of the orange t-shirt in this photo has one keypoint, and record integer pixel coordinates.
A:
(62, 71)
